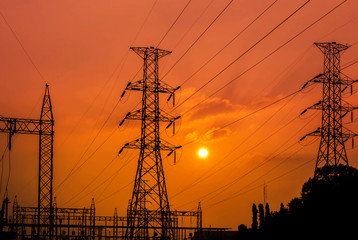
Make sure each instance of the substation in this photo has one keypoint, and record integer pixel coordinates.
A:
(148, 216)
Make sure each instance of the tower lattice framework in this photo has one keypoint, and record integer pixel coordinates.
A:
(44, 127)
(148, 214)
(333, 134)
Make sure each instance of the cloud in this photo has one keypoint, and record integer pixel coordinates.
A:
(216, 134)
(213, 135)
(212, 108)
(208, 107)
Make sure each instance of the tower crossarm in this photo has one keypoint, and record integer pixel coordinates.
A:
(23, 126)
(162, 87)
(138, 115)
(163, 145)
(343, 108)
(348, 134)
(342, 80)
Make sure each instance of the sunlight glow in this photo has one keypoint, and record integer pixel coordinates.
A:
(203, 153)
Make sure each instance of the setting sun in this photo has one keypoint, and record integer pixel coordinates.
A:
(203, 152)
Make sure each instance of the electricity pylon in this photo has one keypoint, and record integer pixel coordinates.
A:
(44, 128)
(332, 151)
(148, 211)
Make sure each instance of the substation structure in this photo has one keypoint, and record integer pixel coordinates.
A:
(83, 224)
(148, 215)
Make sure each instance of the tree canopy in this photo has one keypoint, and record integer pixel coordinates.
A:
(328, 204)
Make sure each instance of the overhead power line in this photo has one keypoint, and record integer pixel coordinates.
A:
(207, 173)
(256, 64)
(23, 48)
(231, 41)
(284, 45)
(238, 193)
(200, 36)
(244, 53)
(175, 21)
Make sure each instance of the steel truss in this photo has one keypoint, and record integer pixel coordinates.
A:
(333, 134)
(44, 128)
(148, 212)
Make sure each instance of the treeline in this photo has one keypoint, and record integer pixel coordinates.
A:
(328, 204)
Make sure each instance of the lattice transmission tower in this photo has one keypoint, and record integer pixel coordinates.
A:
(44, 127)
(333, 134)
(148, 214)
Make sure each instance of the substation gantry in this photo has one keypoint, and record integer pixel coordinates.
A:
(43, 127)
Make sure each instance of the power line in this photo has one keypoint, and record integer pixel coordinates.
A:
(250, 114)
(200, 179)
(175, 21)
(227, 186)
(112, 177)
(192, 25)
(243, 154)
(23, 48)
(144, 22)
(74, 169)
(121, 63)
(115, 175)
(116, 68)
(92, 181)
(259, 62)
(198, 38)
(269, 159)
(231, 41)
(351, 63)
(205, 175)
(112, 194)
(238, 193)
(243, 54)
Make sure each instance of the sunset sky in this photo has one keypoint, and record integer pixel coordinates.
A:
(81, 49)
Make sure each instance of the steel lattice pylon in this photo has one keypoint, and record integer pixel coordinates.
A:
(148, 211)
(332, 151)
(45, 198)
(44, 128)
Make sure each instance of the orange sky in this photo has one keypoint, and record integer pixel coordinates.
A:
(81, 48)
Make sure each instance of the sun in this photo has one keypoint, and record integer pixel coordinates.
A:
(203, 152)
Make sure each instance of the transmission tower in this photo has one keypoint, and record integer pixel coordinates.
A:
(148, 210)
(44, 128)
(332, 151)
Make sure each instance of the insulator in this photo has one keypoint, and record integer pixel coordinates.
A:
(303, 112)
(123, 93)
(304, 85)
(171, 152)
(170, 124)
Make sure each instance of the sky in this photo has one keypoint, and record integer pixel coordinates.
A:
(237, 105)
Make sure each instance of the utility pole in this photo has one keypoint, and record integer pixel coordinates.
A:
(332, 151)
(44, 128)
(148, 212)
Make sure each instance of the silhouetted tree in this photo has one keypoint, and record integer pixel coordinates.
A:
(254, 218)
(326, 205)
(267, 212)
(261, 216)
(282, 207)
(242, 228)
